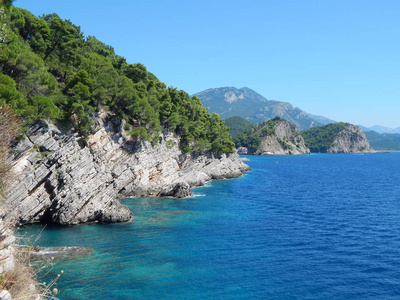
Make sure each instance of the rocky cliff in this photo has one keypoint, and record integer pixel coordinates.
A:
(62, 178)
(336, 138)
(279, 137)
(350, 139)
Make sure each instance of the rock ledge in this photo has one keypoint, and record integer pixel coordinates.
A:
(64, 179)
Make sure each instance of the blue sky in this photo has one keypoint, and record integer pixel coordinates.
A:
(336, 58)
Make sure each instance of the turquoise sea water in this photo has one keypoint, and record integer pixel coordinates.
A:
(321, 226)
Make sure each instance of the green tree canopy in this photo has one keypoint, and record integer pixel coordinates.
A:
(49, 70)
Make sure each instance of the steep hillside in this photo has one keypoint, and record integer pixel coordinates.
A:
(274, 137)
(49, 70)
(336, 138)
(384, 141)
(97, 128)
(237, 125)
(248, 104)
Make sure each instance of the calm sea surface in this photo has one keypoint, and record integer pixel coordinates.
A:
(321, 226)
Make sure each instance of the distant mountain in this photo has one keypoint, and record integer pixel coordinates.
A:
(248, 104)
(383, 141)
(380, 129)
(365, 129)
(322, 120)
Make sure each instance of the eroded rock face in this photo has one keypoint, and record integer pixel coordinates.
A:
(7, 241)
(286, 140)
(62, 178)
(351, 139)
(178, 190)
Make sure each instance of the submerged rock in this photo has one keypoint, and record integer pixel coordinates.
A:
(60, 253)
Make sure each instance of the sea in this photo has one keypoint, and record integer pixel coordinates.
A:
(319, 226)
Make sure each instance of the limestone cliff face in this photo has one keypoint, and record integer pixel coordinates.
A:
(283, 140)
(7, 239)
(350, 139)
(65, 179)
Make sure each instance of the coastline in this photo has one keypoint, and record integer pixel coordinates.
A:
(64, 179)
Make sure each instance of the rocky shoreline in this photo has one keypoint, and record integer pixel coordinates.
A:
(62, 178)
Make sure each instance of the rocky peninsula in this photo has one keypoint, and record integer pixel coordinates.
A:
(63, 178)
(276, 136)
(337, 138)
(281, 138)
(351, 139)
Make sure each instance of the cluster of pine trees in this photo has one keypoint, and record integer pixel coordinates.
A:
(49, 70)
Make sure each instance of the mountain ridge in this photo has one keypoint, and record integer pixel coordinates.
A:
(252, 106)
(380, 129)
(384, 141)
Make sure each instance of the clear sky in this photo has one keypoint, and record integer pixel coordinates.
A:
(336, 58)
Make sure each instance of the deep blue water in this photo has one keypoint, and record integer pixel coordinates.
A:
(321, 226)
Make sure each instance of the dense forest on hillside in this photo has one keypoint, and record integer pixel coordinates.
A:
(383, 141)
(50, 70)
(237, 125)
(319, 139)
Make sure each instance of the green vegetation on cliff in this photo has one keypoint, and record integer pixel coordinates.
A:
(251, 138)
(49, 70)
(319, 139)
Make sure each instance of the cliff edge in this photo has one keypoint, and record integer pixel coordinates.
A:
(273, 137)
(63, 178)
(350, 139)
(280, 137)
(337, 138)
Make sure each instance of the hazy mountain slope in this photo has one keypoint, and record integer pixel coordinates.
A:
(248, 104)
(380, 129)
(365, 129)
(321, 119)
(384, 141)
